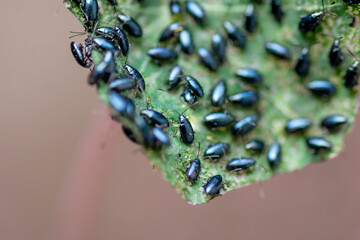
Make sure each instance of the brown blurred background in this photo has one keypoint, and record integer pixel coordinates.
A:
(45, 105)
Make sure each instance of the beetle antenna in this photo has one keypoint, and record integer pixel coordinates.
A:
(323, 7)
(76, 34)
(263, 167)
(186, 109)
(176, 112)
(126, 57)
(237, 171)
(353, 54)
(94, 30)
(212, 156)
(198, 151)
(193, 104)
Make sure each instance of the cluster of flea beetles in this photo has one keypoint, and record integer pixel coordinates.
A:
(113, 42)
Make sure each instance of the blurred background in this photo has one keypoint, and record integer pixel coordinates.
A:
(51, 188)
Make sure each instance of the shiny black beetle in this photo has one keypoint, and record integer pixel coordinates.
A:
(311, 21)
(186, 130)
(131, 26)
(207, 59)
(175, 77)
(218, 119)
(245, 125)
(194, 85)
(162, 54)
(218, 46)
(170, 32)
(322, 88)
(278, 50)
(333, 123)
(235, 35)
(318, 144)
(250, 18)
(136, 75)
(303, 63)
(196, 11)
(218, 94)
(245, 99)
(216, 151)
(161, 138)
(240, 164)
(255, 146)
(250, 76)
(274, 155)
(192, 173)
(186, 41)
(175, 7)
(297, 125)
(91, 10)
(77, 51)
(155, 118)
(189, 95)
(212, 187)
(335, 56)
(104, 70)
(122, 105)
(351, 77)
(277, 10)
(122, 84)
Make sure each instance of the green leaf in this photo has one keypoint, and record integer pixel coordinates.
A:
(283, 93)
